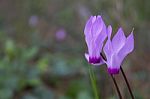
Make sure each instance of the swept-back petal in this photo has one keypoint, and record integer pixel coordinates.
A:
(101, 37)
(97, 26)
(88, 26)
(128, 47)
(118, 40)
(108, 46)
(86, 56)
(91, 46)
(109, 31)
(108, 50)
(87, 32)
(114, 64)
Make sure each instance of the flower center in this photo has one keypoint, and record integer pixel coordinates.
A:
(113, 70)
(94, 60)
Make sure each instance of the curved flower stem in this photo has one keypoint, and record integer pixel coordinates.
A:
(114, 80)
(93, 82)
(127, 83)
(117, 88)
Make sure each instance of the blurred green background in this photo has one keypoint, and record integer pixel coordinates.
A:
(42, 48)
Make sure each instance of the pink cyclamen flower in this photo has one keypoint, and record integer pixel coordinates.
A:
(60, 34)
(33, 21)
(117, 49)
(95, 34)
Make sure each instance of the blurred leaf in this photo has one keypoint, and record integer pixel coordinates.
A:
(33, 77)
(6, 93)
(43, 64)
(43, 93)
(29, 53)
(10, 49)
(84, 95)
(29, 96)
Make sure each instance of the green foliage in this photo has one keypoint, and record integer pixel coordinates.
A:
(22, 74)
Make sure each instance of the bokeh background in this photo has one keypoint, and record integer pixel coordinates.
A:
(42, 48)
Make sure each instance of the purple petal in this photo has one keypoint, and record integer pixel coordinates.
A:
(115, 61)
(113, 70)
(93, 19)
(89, 42)
(109, 31)
(118, 40)
(101, 37)
(128, 47)
(103, 33)
(88, 26)
(97, 26)
(96, 51)
(108, 50)
(100, 63)
(87, 32)
(86, 56)
(94, 61)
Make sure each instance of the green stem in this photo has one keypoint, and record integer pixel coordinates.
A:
(93, 82)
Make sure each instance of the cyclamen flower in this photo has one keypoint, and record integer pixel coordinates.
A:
(117, 49)
(33, 21)
(60, 34)
(95, 34)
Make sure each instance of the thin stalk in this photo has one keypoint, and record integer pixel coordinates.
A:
(117, 88)
(114, 80)
(93, 82)
(127, 83)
